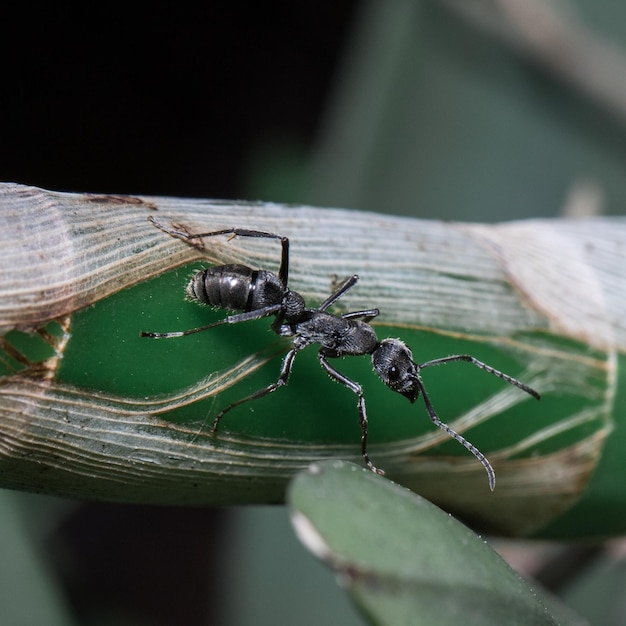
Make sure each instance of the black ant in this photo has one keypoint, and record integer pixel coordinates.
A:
(261, 293)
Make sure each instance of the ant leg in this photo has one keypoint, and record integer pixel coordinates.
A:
(365, 316)
(345, 285)
(285, 371)
(348, 282)
(355, 388)
(464, 442)
(483, 366)
(231, 319)
(283, 271)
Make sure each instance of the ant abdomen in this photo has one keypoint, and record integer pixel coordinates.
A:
(235, 287)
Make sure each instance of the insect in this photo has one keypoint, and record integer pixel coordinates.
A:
(253, 294)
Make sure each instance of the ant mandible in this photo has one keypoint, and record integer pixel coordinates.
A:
(261, 293)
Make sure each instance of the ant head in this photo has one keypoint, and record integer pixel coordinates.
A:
(393, 362)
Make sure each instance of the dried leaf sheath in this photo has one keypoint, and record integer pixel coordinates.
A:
(60, 252)
(515, 286)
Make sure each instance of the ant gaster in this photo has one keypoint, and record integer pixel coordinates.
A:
(261, 293)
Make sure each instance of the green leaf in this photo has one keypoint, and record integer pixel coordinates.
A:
(402, 559)
(88, 408)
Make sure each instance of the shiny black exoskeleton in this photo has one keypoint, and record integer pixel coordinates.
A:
(261, 293)
(239, 288)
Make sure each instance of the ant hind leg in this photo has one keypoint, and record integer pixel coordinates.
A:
(181, 233)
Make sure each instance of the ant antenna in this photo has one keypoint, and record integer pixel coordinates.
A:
(464, 442)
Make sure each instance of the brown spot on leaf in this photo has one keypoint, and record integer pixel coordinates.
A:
(120, 200)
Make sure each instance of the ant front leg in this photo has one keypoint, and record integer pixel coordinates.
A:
(283, 271)
(357, 389)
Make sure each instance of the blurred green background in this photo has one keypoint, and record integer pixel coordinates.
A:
(478, 111)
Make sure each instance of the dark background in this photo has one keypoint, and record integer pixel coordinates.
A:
(176, 101)
(403, 107)
(172, 101)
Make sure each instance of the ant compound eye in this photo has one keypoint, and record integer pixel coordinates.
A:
(393, 374)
